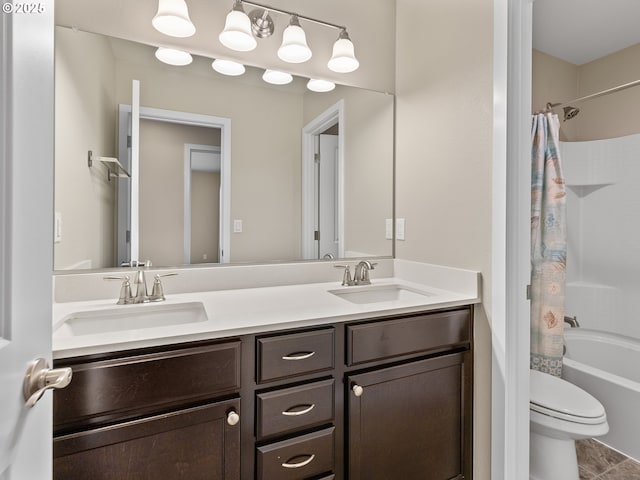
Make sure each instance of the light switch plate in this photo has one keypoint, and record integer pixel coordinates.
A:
(400, 228)
(237, 226)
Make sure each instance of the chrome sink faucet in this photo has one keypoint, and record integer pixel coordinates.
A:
(361, 274)
(140, 282)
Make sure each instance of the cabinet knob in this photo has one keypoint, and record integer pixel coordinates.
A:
(233, 418)
(357, 390)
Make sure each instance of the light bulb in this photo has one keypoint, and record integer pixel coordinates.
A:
(294, 48)
(173, 19)
(237, 30)
(317, 85)
(276, 77)
(343, 59)
(228, 67)
(171, 56)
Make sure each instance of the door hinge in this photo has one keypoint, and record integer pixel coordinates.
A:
(128, 141)
(316, 235)
(127, 237)
(316, 157)
(528, 292)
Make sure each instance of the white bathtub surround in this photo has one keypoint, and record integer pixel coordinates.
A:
(606, 366)
(560, 414)
(248, 299)
(603, 257)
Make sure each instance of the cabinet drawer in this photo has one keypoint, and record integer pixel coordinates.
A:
(404, 336)
(294, 408)
(294, 354)
(106, 389)
(196, 443)
(298, 458)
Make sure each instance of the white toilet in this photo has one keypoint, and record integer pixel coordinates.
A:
(560, 414)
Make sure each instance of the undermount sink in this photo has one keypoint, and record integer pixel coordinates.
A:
(130, 317)
(380, 293)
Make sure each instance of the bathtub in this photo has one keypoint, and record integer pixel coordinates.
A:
(608, 367)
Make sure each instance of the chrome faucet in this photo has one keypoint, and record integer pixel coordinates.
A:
(141, 288)
(157, 292)
(361, 274)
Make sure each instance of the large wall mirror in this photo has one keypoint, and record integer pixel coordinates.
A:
(229, 169)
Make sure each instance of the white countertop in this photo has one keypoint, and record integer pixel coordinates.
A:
(267, 308)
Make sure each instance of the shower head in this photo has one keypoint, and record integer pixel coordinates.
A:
(570, 112)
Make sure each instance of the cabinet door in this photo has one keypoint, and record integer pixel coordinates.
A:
(195, 444)
(411, 421)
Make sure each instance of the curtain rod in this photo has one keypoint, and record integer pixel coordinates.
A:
(595, 95)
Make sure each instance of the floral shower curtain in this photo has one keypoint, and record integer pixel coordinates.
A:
(548, 245)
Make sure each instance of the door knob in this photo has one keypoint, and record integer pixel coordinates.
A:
(40, 378)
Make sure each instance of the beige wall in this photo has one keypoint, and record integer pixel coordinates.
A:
(205, 216)
(614, 115)
(368, 169)
(85, 118)
(444, 87)
(162, 187)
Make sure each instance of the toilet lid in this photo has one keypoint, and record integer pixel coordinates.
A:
(558, 398)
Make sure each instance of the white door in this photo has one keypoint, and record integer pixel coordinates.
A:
(26, 236)
(327, 200)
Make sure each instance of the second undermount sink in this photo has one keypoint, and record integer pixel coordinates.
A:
(380, 293)
(130, 317)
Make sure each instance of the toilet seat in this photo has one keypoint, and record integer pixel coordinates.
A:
(560, 399)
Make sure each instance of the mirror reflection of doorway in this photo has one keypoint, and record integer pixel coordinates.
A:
(183, 185)
(328, 239)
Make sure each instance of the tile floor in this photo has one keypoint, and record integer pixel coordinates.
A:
(599, 462)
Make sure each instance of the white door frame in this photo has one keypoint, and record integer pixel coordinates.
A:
(188, 149)
(326, 119)
(199, 120)
(511, 239)
(26, 235)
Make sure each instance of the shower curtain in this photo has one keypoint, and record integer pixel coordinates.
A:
(548, 245)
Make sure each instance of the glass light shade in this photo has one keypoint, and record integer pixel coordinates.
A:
(237, 32)
(173, 19)
(228, 67)
(316, 85)
(276, 77)
(343, 59)
(294, 48)
(171, 56)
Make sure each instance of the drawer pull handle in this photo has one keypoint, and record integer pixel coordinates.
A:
(299, 356)
(295, 413)
(357, 390)
(300, 464)
(233, 418)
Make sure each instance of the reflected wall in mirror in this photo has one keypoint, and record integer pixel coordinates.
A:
(93, 77)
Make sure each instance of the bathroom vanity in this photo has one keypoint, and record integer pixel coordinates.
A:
(382, 391)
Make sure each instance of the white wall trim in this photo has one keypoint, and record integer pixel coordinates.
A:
(511, 226)
(188, 148)
(313, 128)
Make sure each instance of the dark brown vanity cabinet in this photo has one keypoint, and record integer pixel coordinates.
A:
(170, 413)
(410, 420)
(382, 399)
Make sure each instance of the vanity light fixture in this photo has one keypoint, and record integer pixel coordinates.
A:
(317, 85)
(294, 48)
(237, 30)
(171, 56)
(241, 29)
(277, 77)
(343, 59)
(173, 19)
(228, 67)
